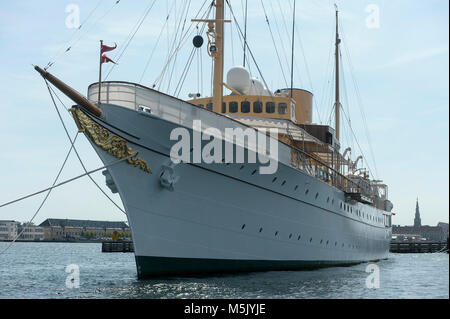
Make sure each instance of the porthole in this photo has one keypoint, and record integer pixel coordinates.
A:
(321, 241)
(310, 240)
(328, 199)
(254, 172)
(243, 226)
(290, 236)
(327, 242)
(260, 230)
(276, 233)
(274, 179)
(299, 236)
(242, 167)
(341, 205)
(284, 182)
(317, 195)
(296, 187)
(306, 192)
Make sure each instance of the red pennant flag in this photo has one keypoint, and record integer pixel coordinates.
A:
(106, 48)
(105, 59)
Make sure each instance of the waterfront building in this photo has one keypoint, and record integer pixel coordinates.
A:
(8, 229)
(72, 229)
(30, 232)
(417, 232)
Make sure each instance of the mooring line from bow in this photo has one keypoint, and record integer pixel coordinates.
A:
(69, 180)
(50, 90)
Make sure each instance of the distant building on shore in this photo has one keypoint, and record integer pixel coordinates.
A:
(73, 229)
(418, 232)
(8, 229)
(30, 232)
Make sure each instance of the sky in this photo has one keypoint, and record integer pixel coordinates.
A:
(395, 79)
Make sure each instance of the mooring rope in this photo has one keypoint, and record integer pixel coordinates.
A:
(49, 189)
(68, 181)
(45, 198)
(50, 90)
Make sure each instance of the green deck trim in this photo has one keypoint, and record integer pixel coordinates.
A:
(148, 266)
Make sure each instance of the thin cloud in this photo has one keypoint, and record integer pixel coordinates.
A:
(411, 57)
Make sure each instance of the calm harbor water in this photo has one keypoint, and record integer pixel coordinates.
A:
(37, 270)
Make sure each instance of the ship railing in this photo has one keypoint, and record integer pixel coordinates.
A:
(139, 97)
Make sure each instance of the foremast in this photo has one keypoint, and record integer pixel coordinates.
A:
(337, 103)
(216, 51)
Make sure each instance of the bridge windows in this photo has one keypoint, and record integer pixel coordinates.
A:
(257, 107)
(282, 108)
(245, 107)
(233, 107)
(270, 107)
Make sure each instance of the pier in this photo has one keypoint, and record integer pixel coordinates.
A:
(418, 247)
(117, 246)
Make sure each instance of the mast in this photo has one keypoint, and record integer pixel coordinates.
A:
(337, 103)
(100, 73)
(218, 57)
(292, 52)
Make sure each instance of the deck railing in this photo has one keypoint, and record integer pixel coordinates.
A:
(138, 97)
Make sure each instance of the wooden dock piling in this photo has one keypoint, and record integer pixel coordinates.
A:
(117, 246)
(418, 247)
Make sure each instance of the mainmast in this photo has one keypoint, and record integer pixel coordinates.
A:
(216, 51)
(337, 103)
(218, 57)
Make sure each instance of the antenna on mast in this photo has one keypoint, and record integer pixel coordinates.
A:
(337, 103)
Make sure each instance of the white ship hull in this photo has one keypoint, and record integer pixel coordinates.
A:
(221, 218)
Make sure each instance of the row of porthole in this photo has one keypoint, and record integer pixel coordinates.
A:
(300, 236)
(346, 207)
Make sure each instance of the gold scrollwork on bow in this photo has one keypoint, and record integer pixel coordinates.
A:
(108, 141)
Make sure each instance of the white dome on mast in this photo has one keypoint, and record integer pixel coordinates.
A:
(238, 78)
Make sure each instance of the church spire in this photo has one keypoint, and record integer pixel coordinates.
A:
(417, 221)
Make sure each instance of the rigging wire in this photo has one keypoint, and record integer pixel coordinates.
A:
(185, 9)
(246, 44)
(67, 46)
(43, 201)
(154, 49)
(286, 59)
(360, 104)
(245, 28)
(130, 37)
(50, 89)
(182, 41)
(274, 44)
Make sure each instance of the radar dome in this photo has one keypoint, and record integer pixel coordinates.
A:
(239, 79)
(257, 88)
